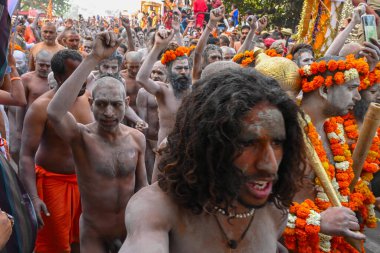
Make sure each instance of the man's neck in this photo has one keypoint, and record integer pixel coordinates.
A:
(49, 44)
(311, 107)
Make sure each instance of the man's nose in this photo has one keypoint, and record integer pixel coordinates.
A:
(108, 111)
(267, 161)
(357, 96)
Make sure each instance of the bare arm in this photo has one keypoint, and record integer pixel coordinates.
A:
(177, 27)
(33, 26)
(35, 121)
(248, 40)
(147, 230)
(215, 16)
(141, 177)
(163, 37)
(142, 104)
(131, 115)
(65, 124)
(32, 67)
(16, 96)
(339, 41)
(127, 25)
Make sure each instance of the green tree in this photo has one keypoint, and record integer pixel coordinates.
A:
(60, 7)
(283, 13)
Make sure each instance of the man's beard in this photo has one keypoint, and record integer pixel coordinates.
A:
(360, 109)
(180, 83)
(22, 70)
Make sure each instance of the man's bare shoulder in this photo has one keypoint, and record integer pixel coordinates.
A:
(36, 48)
(28, 75)
(43, 101)
(152, 201)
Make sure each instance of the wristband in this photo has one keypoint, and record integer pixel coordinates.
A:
(15, 78)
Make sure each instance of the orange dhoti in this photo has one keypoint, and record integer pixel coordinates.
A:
(60, 193)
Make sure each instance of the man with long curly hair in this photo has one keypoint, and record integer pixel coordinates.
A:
(229, 171)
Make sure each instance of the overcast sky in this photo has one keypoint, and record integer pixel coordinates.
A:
(94, 7)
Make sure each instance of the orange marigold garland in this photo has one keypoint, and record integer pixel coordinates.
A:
(302, 231)
(371, 166)
(272, 53)
(171, 55)
(342, 71)
(341, 175)
(373, 78)
(245, 59)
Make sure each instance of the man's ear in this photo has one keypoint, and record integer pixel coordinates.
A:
(323, 90)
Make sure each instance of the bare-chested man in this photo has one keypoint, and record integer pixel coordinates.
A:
(49, 35)
(71, 40)
(169, 96)
(147, 110)
(133, 64)
(47, 166)
(225, 171)
(109, 156)
(111, 66)
(35, 84)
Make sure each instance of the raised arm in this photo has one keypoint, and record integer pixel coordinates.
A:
(127, 25)
(252, 21)
(65, 124)
(16, 96)
(339, 41)
(176, 24)
(33, 26)
(215, 15)
(162, 39)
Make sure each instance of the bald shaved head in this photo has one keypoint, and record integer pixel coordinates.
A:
(217, 67)
(159, 72)
(133, 63)
(133, 56)
(107, 82)
(350, 48)
(43, 54)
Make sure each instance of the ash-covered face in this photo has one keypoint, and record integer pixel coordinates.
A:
(261, 141)
(342, 98)
(179, 77)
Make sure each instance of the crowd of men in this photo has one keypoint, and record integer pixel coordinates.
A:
(188, 133)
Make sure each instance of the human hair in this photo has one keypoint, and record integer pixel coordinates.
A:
(114, 56)
(212, 40)
(245, 27)
(277, 35)
(300, 48)
(211, 47)
(197, 166)
(124, 47)
(170, 64)
(58, 61)
(225, 40)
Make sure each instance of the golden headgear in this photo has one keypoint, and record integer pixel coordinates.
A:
(282, 69)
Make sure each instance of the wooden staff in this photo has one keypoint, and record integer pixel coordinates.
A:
(320, 172)
(368, 131)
